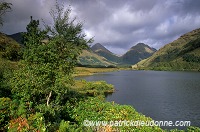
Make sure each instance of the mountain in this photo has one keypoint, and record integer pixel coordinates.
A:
(17, 37)
(99, 55)
(181, 54)
(137, 53)
(98, 47)
(102, 51)
(89, 58)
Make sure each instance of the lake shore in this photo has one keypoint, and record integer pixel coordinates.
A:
(149, 76)
(85, 71)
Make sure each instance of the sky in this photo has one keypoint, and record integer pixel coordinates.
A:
(116, 24)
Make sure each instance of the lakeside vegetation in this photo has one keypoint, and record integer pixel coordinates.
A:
(85, 71)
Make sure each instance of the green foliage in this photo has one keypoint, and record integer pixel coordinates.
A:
(66, 126)
(97, 109)
(4, 112)
(47, 67)
(13, 112)
(45, 73)
(6, 68)
(191, 58)
(35, 122)
(98, 88)
(35, 77)
(190, 46)
(193, 129)
(12, 52)
(93, 88)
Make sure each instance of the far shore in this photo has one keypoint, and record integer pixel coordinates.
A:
(85, 71)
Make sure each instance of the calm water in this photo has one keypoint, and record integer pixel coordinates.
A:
(161, 95)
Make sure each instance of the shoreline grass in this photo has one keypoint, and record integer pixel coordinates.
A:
(85, 71)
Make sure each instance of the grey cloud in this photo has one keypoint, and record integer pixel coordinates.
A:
(117, 24)
(17, 20)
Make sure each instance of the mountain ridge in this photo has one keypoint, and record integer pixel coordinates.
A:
(181, 54)
(103, 56)
(98, 47)
(102, 51)
(137, 53)
(132, 56)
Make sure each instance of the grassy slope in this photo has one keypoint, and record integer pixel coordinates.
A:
(84, 71)
(89, 58)
(109, 56)
(7, 45)
(102, 51)
(181, 54)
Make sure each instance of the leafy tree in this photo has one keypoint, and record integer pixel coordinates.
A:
(47, 67)
(4, 7)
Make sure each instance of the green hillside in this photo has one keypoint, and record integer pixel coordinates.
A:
(17, 37)
(102, 51)
(181, 54)
(9, 48)
(88, 57)
(137, 53)
(9, 53)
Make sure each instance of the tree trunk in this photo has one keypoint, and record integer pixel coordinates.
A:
(48, 98)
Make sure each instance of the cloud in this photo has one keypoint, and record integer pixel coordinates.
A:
(116, 24)
(17, 20)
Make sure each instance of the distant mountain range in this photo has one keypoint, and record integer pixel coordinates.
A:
(100, 56)
(181, 54)
(135, 54)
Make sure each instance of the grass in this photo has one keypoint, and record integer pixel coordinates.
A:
(93, 88)
(84, 71)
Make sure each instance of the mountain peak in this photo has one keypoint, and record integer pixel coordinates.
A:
(98, 47)
(102, 51)
(141, 44)
(137, 53)
(141, 47)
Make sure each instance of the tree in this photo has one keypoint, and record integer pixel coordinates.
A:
(47, 67)
(4, 7)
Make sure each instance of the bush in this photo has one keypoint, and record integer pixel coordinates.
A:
(94, 88)
(97, 109)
